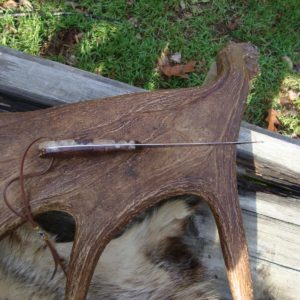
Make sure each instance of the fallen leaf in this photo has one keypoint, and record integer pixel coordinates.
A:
(187, 14)
(10, 4)
(78, 37)
(288, 62)
(138, 36)
(71, 60)
(169, 65)
(73, 4)
(164, 58)
(179, 70)
(233, 23)
(285, 101)
(10, 29)
(26, 4)
(134, 21)
(272, 120)
(182, 5)
(291, 112)
(176, 57)
(98, 71)
(292, 95)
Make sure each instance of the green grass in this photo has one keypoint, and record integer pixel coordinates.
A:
(113, 46)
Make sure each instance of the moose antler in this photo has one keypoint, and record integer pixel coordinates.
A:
(104, 192)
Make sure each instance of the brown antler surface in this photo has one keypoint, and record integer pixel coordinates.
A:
(103, 192)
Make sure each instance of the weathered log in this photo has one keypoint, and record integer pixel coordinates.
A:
(275, 161)
(49, 83)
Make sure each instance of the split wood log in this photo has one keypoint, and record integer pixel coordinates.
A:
(210, 113)
(275, 161)
(48, 83)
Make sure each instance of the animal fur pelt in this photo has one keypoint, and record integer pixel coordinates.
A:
(154, 258)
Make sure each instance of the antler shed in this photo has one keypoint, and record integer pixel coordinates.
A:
(104, 192)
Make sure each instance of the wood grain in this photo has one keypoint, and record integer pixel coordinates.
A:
(31, 78)
(103, 193)
(276, 160)
(272, 228)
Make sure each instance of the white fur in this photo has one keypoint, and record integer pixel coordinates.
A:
(124, 270)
